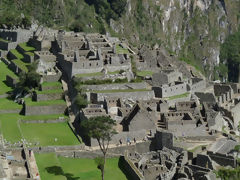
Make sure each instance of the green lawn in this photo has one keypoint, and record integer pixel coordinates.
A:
(179, 96)
(120, 90)
(29, 102)
(58, 168)
(120, 50)
(26, 47)
(16, 53)
(145, 73)
(22, 65)
(3, 72)
(46, 133)
(9, 127)
(8, 104)
(43, 117)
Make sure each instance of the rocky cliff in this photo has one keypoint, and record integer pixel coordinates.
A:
(192, 30)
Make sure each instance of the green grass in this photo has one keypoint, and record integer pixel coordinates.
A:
(46, 133)
(89, 74)
(50, 91)
(51, 84)
(22, 65)
(68, 168)
(6, 104)
(29, 102)
(4, 40)
(120, 90)
(16, 53)
(29, 53)
(178, 96)
(145, 73)
(114, 72)
(9, 127)
(26, 47)
(120, 50)
(43, 117)
(3, 72)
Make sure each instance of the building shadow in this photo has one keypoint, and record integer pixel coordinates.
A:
(56, 170)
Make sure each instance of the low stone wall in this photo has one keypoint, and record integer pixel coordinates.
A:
(51, 78)
(51, 109)
(45, 97)
(27, 58)
(10, 81)
(3, 53)
(8, 45)
(9, 111)
(48, 149)
(117, 86)
(138, 95)
(45, 88)
(44, 121)
(7, 62)
(11, 56)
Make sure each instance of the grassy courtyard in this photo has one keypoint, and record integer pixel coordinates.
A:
(13, 131)
(61, 168)
(51, 134)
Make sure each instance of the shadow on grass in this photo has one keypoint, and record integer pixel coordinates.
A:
(56, 170)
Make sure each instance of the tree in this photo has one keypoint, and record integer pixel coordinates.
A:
(101, 129)
(81, 101)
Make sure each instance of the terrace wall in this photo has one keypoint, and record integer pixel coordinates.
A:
(223, 159)
(138, 95)
(117, 86)
(51, 109)
(45, 97)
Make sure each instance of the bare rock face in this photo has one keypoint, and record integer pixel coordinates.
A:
(190, 29)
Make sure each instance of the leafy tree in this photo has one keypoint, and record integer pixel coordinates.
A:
(81, 101)
(101, 129)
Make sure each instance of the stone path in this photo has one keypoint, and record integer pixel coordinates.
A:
(33, 165)
(68, 101)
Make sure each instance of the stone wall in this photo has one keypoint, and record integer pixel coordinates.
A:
(10, 111)
(223, 159)
(198, 86)
(45, 97)
(10, 81)
(44, 121)
(51, 109)
(138, 95)
(117, 86)
(206, 97)
(51, 78)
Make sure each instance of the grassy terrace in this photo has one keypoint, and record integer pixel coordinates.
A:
(95, 74)
(29, 53)
(21, 64)
(51, 91)
(51, 84)
(179, 96)
(120, 50)
(45, 134)
(26, 47)
(49, 134)
(3, 40)
(6, 104)
(3, 72)
(120, 90)
(145, 73)
(61, 168)
(29, 102)
(16, 53)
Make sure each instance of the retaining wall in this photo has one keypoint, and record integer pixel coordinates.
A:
(51, 109)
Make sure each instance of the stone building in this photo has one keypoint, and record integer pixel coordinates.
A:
(166, 77)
